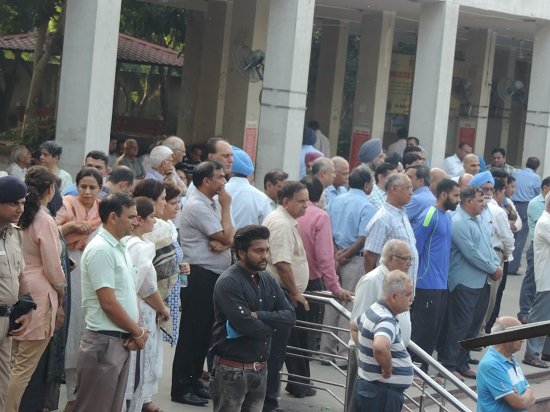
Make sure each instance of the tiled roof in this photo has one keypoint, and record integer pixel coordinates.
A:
(130, 49)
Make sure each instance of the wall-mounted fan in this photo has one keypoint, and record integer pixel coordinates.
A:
(249, 63)
(512, 91)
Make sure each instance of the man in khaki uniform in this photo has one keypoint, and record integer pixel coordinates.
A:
(12, 200)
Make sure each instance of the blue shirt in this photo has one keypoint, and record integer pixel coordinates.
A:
(497, 377)
(421, 200)
(527, 185)
(249, 206)
(349, 214)
(332, 192)
(305, 150)
(534, 211)
(433, 242)
(472, 254)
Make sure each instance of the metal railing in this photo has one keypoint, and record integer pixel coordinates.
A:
(431, 392)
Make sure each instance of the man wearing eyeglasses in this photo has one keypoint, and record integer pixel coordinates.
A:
(473, 262)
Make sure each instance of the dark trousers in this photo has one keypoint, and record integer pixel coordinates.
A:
(528, 287)
(237, 390)
(520, 236)
(197, 319)
(465, 313)
(377, 397)
(427, 317)
(498, 299)
(300, 338)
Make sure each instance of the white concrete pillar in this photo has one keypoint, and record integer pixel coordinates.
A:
(285, 86)
(537, 124)
(242, 96)
(213, 71)
(433, 75)
(373, 72)
(480, 56)
(87, 82)
(189, 89)
(329, 86)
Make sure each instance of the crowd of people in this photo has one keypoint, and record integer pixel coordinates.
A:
(179, 246)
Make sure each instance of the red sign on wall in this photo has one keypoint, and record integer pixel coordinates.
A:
(251, 139)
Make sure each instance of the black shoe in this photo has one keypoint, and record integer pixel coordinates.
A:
(473, 361)
(201, 392)
(545, 357)
(189, 399)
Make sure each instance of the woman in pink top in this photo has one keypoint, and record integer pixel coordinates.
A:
(43, 278)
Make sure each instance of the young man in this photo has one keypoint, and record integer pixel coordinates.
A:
(248, 305)
(111, 313)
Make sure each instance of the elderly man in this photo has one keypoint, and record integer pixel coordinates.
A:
(436, 176)
(371, 154)
(501, 385)
(177, 146)
(541, 306)
(473, 260)
(249, 206)
(288, 263)
(129, 158)
(323, 169)
(12, 200)
(433, 241)
(341, 179)
(391, 222)
(421, 198)
(453, 164)
(471, 164)
(206, 235)
(385, 367)
(20, 160)
(162, 164)
(378, 194)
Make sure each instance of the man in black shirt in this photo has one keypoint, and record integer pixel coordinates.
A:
(249, 305)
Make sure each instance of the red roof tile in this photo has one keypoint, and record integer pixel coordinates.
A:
(130, 49)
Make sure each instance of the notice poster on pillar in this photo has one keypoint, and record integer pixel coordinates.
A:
(251, 139)
(359, 136)
(400, 83)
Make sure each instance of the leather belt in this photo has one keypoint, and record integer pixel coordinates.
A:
(114, 334)
(5, 310)
(255, 366)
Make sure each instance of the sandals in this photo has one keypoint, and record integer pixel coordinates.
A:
(150, 407)
(536, 362)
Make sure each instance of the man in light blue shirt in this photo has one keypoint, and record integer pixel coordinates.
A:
(501, 385)
(349, 214)
(422, 198)
(472, 261)
(249, 205)
(528, 185)
(341, 179)
(534, 211)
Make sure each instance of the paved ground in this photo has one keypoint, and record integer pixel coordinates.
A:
(323, 401)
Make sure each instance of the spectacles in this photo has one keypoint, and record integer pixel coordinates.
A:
(487, 190)
(403, 258)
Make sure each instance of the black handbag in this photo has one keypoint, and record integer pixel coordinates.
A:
(23, 306)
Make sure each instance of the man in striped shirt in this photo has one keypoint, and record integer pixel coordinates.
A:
(385, 367)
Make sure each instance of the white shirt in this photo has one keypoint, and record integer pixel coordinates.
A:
(249, 206)
(15, 170)
(368, 291)
(453, 166)
(541, 247)
(501, 236)
(322, 143)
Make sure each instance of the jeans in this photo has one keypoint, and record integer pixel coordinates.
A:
(237, 390)
(377, 397)
(528, 287)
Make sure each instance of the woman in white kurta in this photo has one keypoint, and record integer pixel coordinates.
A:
(152, 307)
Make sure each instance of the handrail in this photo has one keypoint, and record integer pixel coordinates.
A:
(328, 298)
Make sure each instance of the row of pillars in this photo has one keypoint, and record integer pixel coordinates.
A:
(217, 100)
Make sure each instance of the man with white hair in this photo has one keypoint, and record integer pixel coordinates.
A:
(385, 367)
(162, 167)
(177, 146)
(341, 179)
(323, 169)
(20, 160)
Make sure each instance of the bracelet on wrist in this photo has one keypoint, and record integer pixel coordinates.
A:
(142, 334)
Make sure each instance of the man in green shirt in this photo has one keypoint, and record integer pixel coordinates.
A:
(109, 300)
